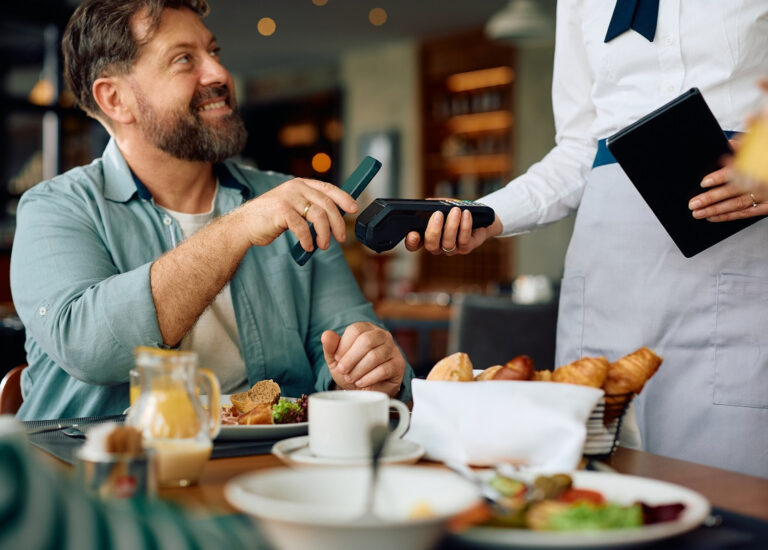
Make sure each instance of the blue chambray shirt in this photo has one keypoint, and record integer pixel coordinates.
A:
(84, 244)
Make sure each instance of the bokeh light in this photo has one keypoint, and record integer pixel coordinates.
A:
(266, 26)
(321, 163)
(377, 16)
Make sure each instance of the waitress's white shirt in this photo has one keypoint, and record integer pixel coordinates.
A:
(719, 46)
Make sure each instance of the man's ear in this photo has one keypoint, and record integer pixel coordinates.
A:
(114, 99)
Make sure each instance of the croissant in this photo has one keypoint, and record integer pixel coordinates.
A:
(630, 373)
(587, 371)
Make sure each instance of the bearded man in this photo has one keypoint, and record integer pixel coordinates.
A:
(165, 242)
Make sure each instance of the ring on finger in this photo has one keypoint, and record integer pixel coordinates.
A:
(306, 210)
(754, 202)
(447, 250)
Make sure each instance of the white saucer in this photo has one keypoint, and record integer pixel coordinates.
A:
(295, 451)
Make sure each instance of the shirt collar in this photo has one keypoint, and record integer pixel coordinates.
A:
(121, 184)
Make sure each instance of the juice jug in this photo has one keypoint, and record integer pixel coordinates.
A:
(174, 422)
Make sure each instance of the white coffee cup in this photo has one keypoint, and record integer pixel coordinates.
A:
(340, 422)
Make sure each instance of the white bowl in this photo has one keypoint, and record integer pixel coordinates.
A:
(321, 508)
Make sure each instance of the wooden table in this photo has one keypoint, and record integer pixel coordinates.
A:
(740, 493)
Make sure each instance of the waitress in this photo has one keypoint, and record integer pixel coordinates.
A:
(626, 285)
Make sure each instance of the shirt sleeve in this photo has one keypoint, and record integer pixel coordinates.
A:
(84, 314)
(552, 188)
(336, 303)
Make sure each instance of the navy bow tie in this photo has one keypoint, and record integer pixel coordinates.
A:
(639, 15)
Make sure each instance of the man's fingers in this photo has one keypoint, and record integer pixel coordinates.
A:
(327, 212)
(300, 228)
(382, 373)
(371, 358)
(330, 341)
(341, 198)
(348, 339)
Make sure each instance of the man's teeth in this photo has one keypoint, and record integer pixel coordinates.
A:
(214, 105)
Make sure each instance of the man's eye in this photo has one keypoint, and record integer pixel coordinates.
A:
(182, 59)
(215, 52)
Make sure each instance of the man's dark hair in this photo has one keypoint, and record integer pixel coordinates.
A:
(99, 40)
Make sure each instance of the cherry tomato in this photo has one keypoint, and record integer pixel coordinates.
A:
(581, 495)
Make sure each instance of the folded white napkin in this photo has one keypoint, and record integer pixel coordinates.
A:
(538, 425)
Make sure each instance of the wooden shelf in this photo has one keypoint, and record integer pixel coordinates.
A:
(492, 121)
(467, 84)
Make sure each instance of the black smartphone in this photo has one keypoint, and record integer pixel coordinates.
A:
(356, 182)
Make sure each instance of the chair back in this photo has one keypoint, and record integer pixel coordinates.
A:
(10, 391)
(493, 329)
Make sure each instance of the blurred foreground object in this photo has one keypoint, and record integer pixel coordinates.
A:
(40, 509)
(751, 160)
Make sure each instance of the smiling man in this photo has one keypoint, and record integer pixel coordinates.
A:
(166, 241)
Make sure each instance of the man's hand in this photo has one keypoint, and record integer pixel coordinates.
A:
(728, 200)
(290, 206)
(365, 357)
(455, 236)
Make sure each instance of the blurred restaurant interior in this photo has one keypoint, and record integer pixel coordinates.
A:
(452, 97)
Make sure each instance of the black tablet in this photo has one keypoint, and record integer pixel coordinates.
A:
(666, 154)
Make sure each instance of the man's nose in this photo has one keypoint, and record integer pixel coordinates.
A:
(213, 72)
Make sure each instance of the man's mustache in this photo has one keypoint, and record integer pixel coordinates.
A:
(210, 93)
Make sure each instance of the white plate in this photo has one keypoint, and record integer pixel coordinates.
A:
(256, 432)
(295, 451)
(618, 488)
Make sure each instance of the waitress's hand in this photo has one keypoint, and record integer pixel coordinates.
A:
(728, 200)
(452, 234)
(365, 357)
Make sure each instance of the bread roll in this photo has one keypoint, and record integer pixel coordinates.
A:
(587, 371)
(521, 366)
(454, 368)
(263, 392)
(489, 373)
(542, 376)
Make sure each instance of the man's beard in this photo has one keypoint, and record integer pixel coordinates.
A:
(183, 134)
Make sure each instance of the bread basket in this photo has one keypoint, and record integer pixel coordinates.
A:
(604, 425)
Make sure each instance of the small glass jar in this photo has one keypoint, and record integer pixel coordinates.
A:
(170, 414)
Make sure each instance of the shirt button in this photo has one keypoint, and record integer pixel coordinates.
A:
(670, 88)
(669, 41)
(43, 310)
(167, 220)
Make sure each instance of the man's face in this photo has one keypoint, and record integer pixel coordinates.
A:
(185, 97)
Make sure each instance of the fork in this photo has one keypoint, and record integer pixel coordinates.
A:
(71, 430)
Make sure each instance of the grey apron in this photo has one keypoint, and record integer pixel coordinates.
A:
(626, 285)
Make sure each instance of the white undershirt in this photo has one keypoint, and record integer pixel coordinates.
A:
(214, 337)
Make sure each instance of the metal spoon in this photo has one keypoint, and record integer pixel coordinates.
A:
(378, 436)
